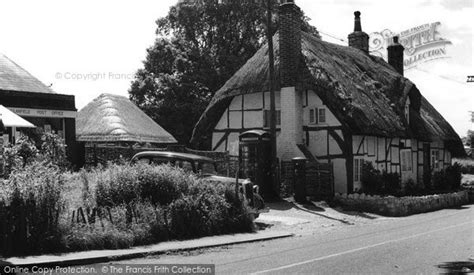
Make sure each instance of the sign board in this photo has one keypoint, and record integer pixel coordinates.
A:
(43, 113)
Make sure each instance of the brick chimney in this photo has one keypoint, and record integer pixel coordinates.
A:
(359, 39)
(395, 55)
(291, 102)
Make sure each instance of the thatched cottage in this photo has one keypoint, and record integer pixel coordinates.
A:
(340, 104)
(111, 126)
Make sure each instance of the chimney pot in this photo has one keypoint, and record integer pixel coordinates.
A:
(395, 40)
(357, 24)
(359, 39)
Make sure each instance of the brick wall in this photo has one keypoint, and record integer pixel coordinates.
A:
(290, 43)
(395, 55)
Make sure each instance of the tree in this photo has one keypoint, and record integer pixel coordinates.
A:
(200, 45)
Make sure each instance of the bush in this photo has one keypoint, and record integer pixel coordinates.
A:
(467, 165)
(124, 184)
(375, 182)
(25, 151)
(53, 148)
(448, 178)
(454, 176)
(18, 155)
(371, 179)
(121, 206)
(30, 210)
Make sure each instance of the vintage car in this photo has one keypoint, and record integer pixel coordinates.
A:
(205, 168)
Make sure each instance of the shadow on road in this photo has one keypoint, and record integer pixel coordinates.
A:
(457, 267)
(355, 213)
(308, 207)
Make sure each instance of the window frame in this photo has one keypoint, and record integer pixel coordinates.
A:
(357, 169)
(315, 114)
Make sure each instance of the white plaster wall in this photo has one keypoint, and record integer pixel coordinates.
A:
(233, 144)
(334, 148)
(235, 120)
(222, 124)
(318, 143)
(253, 119)
(216, 137)
(314, 101)
(236, 103)
(253, 101)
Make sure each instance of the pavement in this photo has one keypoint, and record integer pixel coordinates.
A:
(98, 256)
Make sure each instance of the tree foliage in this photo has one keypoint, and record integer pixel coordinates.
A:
(199, 46)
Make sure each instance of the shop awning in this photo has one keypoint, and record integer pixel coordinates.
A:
(10, 119)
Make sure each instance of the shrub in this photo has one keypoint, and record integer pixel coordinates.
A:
(454, 176)
(448, 178)
(467, 165)
(53, 148)
(124, 206)
(371, 179)
(391, 183)
(123, 184)
(375, 182)
(25, 151)
(31, 209)
(208, 209)
(18, 155)
(413, 189)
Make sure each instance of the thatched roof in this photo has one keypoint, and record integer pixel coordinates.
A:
(15, 78)
(364, 92)
(113, 118)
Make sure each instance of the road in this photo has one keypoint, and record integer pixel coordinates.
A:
(416, 244)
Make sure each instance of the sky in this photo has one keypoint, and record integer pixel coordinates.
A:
(87, 47)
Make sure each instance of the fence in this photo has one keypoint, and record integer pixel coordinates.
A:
(318, 179)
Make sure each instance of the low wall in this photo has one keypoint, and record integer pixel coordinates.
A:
(403, 206)
(470, 192)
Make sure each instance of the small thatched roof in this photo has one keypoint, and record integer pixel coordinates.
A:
(113, 118)
(364, 92)
(15, 78)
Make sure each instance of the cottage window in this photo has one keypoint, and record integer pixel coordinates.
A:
(312, 118)
(435, 159)
(266, 118)
(358, 169)
(322, 115)
(317, 115)
(406, 160)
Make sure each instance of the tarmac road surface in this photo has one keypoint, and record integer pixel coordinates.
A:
(435, 242)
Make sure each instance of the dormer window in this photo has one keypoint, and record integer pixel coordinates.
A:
(407, 110)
